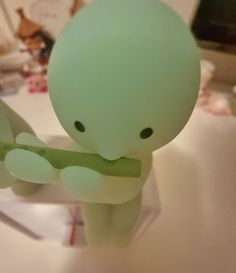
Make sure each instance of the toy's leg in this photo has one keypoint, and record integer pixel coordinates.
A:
(96, 218)
(124, 217)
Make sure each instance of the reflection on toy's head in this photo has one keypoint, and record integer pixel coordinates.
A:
(124, 76)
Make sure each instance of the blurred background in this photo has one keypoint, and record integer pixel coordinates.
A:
(206, 17)
(29, 28)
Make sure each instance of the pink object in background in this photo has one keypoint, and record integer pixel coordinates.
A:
(218, 104)
(37, 83)
(207, 72)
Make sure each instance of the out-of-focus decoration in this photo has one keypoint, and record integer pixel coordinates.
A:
(37, 41)
(10, 83)
(37, 83)
(53, 14)
(7, 17)
(26, 27)
(31, 68)
(217, 103)
(28, 56)
(232, 101)
(14, 60)
(11, 60)
(77, 4)
(207, 73)
(5, 44)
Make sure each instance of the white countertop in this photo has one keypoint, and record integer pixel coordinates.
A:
(196, 231)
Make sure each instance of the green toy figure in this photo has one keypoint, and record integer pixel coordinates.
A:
(123, 80)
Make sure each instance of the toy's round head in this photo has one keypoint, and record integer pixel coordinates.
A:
(124, 76)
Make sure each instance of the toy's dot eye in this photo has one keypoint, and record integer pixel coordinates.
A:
(79, 126)
(146, 133)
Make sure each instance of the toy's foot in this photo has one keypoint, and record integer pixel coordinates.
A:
(23, 188)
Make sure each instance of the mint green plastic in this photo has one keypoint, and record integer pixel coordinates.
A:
(11, 124)
(5, 134)
(126, 72)
(61, 159)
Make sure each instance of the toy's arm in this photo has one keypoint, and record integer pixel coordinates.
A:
(37, 163)
(91, 186)
(10, 125)
(27, 165)
(60, 159)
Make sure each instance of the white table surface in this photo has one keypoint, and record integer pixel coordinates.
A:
(196, 231)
